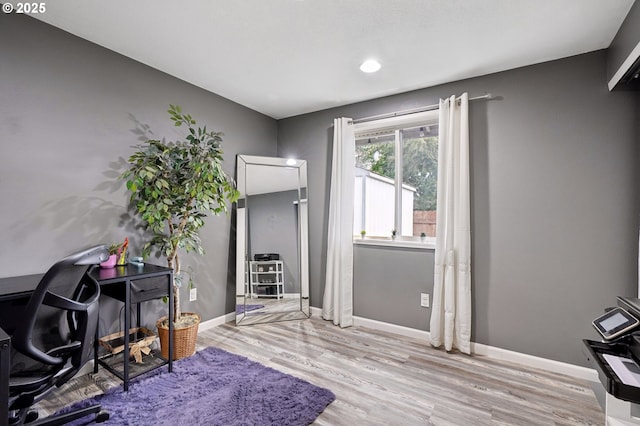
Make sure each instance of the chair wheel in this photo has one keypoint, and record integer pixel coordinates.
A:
(31, 416)
(102, 416)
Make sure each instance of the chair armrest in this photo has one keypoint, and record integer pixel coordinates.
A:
(52, 356)
(61, 302)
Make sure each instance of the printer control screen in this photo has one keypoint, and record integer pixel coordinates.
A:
(615, 321)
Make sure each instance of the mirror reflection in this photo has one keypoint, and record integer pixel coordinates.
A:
(272, 278)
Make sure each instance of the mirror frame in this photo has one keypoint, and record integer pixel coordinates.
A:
(243, 317)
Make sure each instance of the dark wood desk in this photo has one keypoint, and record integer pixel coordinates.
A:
(14, 288)
(129, 284)
(14, 294)
(5, 370)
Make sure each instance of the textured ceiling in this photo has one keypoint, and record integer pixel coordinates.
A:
(288, 57)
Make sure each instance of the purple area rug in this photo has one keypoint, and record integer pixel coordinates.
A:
(214, 387)
(240, 309)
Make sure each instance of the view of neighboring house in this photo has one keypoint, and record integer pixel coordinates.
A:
(375, 194)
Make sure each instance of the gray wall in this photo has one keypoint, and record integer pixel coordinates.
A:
(554, 207)
(273, 224)
(390, 281)
(68, 120)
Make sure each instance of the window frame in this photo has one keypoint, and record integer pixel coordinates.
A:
(396, 124)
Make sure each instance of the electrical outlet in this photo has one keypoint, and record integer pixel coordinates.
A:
(193, 294)
(424, 300)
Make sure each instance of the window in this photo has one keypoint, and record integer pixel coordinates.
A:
(396, 175)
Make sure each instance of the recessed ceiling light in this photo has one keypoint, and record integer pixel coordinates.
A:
(370, 65)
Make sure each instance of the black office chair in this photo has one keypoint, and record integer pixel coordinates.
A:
(56, 337)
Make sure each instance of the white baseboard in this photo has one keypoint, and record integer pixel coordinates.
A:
(481, 349)
(392, 328)
(537, 362)
(291, 295)
(214, 322)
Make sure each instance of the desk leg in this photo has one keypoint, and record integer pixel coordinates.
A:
(95, 347)
(127, 326)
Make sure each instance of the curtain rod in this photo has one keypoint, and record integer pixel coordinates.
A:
(413, 110)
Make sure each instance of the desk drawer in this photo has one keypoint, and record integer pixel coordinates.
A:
(141, 290)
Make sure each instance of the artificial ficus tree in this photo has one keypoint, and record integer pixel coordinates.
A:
(174, 186)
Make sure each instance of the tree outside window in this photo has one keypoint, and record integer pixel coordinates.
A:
(381, 204)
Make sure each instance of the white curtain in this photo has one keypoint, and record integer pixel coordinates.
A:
(451, 312)
(337, 304)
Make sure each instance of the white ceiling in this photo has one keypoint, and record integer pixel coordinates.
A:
(288, 57)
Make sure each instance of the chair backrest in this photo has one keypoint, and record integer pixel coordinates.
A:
(62, 310)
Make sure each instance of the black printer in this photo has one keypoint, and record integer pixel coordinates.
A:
(262, 257)
(617, 357)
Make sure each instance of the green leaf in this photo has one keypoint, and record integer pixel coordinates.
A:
(178, 183)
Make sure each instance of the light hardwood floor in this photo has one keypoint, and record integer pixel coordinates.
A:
(381, 378)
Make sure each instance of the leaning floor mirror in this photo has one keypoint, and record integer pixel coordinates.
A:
(272, 270)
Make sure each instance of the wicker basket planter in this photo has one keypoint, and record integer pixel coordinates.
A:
(184, 338)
